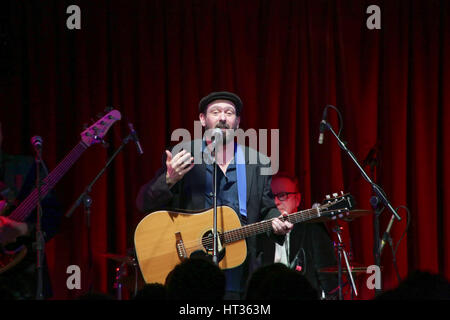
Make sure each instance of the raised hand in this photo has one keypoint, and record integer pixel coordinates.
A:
(178, 166)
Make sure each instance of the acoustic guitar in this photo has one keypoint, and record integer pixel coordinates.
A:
(165, 238)
(12, 254)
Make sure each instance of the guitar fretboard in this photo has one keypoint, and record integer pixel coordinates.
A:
(266, 225)
(24, 209)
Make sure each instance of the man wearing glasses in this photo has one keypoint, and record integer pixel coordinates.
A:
(308, 247)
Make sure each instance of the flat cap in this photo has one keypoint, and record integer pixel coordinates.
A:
(221, 95)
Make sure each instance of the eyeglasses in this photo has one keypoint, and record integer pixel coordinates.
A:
(282, 196)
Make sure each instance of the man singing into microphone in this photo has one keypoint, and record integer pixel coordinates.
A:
(184, 184)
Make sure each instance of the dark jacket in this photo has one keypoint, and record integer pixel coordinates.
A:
(311, 243)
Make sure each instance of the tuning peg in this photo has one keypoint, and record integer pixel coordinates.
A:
(327, 196)
(342, 193)
(335, 195)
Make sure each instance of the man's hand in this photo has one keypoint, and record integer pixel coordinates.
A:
(10, 230)
(178, 166)
(281, 227)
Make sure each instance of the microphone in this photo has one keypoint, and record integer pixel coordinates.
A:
(216, 137)
(323, 125)
(294, 262)
(37, 141)
(135, 138)
(297, 263)
(371, 158)
(386, 235)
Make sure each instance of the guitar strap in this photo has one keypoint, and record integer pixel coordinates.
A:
(241, 179)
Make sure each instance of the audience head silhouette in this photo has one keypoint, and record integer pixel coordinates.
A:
(419, 285)
(151, 291)
(196, 279)
(278, 282)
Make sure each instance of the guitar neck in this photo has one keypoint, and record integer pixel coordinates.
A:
(266, 225)
(25, 208)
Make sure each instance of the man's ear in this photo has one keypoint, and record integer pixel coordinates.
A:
(202, 118)
(298, 199)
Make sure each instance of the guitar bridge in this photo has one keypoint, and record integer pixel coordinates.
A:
(181, 250)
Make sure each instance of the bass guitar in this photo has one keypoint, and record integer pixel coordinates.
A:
(12, 254)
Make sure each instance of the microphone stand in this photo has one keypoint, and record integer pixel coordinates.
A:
(375, 202)
(215, 234)
(212, 156)
(377, 209)
(341, 252)
(379, 193)
(87, 200)
(40, 241)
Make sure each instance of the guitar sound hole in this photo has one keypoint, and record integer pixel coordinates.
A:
(208, 243)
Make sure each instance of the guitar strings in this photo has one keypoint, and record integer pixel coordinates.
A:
(260, 227)
(30, 202)
(241, 232)
(21, 212)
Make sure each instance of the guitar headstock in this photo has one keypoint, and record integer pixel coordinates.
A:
(95, 133)
(337, 205)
